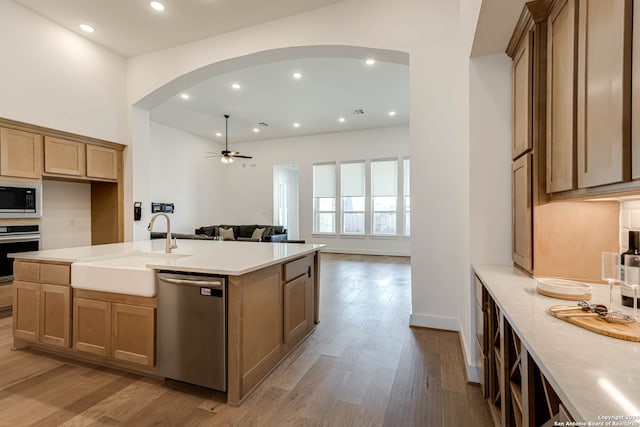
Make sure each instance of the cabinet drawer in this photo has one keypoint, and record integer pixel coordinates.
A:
(55, 273)
(29, 271)
(297, 268)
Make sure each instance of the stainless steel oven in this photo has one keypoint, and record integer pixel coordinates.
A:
(13, 238)
(16, 238)
(20, 200)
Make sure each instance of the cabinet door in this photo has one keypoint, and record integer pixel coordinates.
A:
(91, 326)
(296, 309)
(20, 154)
(64, 157)
(26, 311)
(522, 220)
(102, 162)
(522, 97)
(6, 295)
(561, 79)
(603, 92)
(133, 333)
(635, 94)
(55, 316)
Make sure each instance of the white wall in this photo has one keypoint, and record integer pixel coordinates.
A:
(250, 189)
(66, 219)
(430, 32)
(490, 180)
(54, 78)
(180, 174)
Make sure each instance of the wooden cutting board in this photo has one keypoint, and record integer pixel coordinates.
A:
(627, 332)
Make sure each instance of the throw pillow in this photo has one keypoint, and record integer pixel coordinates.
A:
(257, 233)
(226, 233)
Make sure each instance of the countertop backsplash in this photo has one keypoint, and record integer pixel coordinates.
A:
(629, 220)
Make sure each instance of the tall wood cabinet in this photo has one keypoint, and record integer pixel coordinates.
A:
(604, 55)
(561, 97)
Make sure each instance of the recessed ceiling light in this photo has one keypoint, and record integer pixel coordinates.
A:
(392, 113)
(296, 125)
(297, 76)
(256, 130)
(87, 28)
(236, 86)
(157, 6)
(370, 61)
(184, 96)
(341, 119)
(218, 134)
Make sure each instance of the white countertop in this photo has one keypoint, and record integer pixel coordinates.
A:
(594, 375)
(204, 256)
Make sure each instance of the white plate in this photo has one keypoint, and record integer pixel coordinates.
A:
(563, 286)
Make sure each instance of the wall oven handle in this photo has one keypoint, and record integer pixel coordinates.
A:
(16, 239)
(205, 283)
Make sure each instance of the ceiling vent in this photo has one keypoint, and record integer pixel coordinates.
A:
(358, 111)
(263, 124)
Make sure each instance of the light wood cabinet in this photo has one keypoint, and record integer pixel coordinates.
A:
(26, 311)
(20, 154)
(6, 295)
(102, 162)
(55, 315)
(133, 333)
(603, 91)
(42, 303)
(297, 310)
(522, 97)
(635, 94)
(63, 157)
(522, 213)
(92, 326)
(561, 105)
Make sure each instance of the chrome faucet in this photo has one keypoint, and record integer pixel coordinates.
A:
(168, 245)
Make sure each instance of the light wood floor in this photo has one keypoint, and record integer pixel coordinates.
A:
(363, 366)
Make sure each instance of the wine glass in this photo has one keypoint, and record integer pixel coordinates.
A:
(632, 278)
(610, 272)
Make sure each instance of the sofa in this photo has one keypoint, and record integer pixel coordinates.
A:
(271, 233)
(245, 233)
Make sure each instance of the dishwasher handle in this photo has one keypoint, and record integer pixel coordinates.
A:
(208, 284)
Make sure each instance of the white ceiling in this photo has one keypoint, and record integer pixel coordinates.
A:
(330, 88)
(131, 27)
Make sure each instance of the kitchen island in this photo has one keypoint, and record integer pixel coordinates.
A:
(272, 303)
(595, 377)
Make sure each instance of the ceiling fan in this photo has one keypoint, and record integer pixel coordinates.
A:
(227, 156)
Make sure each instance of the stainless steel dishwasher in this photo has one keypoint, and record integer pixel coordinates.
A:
(192, 328)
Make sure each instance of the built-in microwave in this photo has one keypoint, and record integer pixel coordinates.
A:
(20, 200)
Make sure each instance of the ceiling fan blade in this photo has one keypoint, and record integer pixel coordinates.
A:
(243, 157)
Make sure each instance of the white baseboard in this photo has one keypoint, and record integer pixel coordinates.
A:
(363, 252)
(435, 322)
(473, 373)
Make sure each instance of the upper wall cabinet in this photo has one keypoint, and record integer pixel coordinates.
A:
(635, 106)
(20, 154)
(603, 92)
(561, 108)
(64, 157)
(522, 97)
(102, 162)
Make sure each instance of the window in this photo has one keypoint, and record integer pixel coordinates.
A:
(407, 198)
(353, 192)
(324, 198)
(384, 196)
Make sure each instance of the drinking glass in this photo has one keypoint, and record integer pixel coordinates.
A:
(632, 279)
(610, 272)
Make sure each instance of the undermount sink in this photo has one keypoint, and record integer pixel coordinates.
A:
(125, 274)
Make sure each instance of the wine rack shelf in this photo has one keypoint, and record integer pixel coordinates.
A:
(518, 394)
